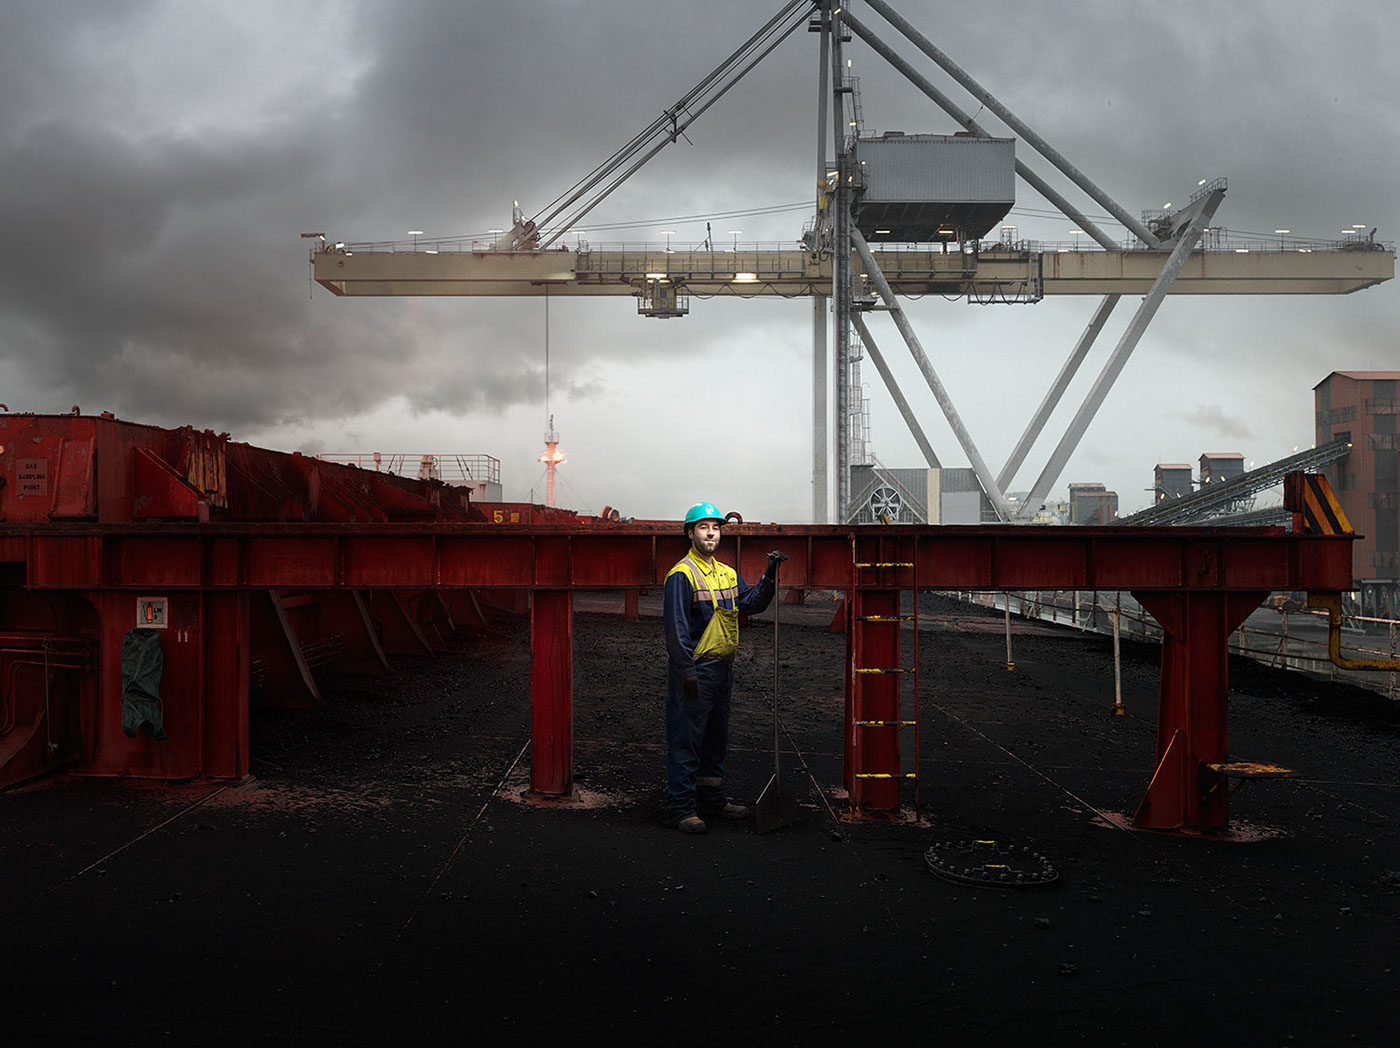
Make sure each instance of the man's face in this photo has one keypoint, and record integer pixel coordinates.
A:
(704, 536)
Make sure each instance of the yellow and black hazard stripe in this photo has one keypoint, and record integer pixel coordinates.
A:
(1315, 505)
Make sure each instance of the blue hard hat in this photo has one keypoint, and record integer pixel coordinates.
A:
(703, 511)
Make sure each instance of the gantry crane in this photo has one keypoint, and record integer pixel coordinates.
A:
(850, 267)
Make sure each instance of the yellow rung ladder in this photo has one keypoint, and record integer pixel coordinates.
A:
(884, 572)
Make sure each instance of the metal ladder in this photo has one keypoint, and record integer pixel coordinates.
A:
(883, 569)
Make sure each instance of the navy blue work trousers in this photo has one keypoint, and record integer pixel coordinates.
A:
(697, 736)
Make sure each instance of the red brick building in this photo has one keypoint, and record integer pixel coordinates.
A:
(1363, 406)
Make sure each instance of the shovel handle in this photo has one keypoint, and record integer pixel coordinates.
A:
(777, 604)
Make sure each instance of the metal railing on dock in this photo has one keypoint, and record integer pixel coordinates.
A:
(1285, 647)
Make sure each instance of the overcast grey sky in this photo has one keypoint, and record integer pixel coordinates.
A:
(160, 158)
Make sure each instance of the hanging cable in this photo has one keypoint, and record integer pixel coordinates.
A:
(549, 417)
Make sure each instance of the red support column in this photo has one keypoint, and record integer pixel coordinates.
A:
(552, 693)
(224, 669)
(1192, 711)
(630, 605)
(843, 622)
(874, 696)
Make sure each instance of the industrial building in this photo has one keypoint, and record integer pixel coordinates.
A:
(1092, 503)
(1171, 480)
(1361, 406)
(1220, 466)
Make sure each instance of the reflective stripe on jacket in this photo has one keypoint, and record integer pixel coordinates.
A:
(696, 593)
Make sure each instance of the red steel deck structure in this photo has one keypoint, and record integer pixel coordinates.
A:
(257, 565)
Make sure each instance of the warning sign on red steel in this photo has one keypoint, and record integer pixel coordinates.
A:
(32, 476)
(153, 612)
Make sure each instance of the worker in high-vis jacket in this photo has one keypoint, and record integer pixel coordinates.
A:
(703, 601)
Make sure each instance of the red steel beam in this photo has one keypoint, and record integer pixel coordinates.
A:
(480, 556)
(1199, 581)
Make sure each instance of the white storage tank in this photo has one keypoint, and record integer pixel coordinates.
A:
(922, 188)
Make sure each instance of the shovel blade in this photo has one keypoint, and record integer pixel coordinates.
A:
(777, 805)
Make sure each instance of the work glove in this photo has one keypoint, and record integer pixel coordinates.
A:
(691, 687)
(774, 559)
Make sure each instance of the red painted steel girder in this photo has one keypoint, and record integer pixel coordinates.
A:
(101, 469)
(221, 556)
(1195, 572)
(93, 510)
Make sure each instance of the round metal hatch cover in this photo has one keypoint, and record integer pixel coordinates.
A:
(991, 864)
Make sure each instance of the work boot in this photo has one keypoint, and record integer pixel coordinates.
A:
(730, 811)
(691, 824)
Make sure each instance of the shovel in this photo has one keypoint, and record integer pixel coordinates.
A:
(777, 804)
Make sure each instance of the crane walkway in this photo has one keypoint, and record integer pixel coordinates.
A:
(1018, 273)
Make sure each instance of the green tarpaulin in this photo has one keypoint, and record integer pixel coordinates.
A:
(142, 664)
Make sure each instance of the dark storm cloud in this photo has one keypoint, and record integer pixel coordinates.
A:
(147, 275)
(156, 270)
(38, 66)
(159, 273)
(484, 106)
(152, 263)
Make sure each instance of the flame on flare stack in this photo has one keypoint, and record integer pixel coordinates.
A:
(553, 458)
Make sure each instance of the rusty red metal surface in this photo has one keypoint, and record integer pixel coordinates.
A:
(1192, 710)
(875, 670)
(271, 564)
(591, 556)
(552, 692)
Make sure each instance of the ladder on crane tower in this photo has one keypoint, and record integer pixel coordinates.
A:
(875, 717)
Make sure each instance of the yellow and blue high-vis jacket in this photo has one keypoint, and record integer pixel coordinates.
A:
(701, 612)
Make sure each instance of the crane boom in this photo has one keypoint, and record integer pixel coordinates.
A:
(986, 276)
